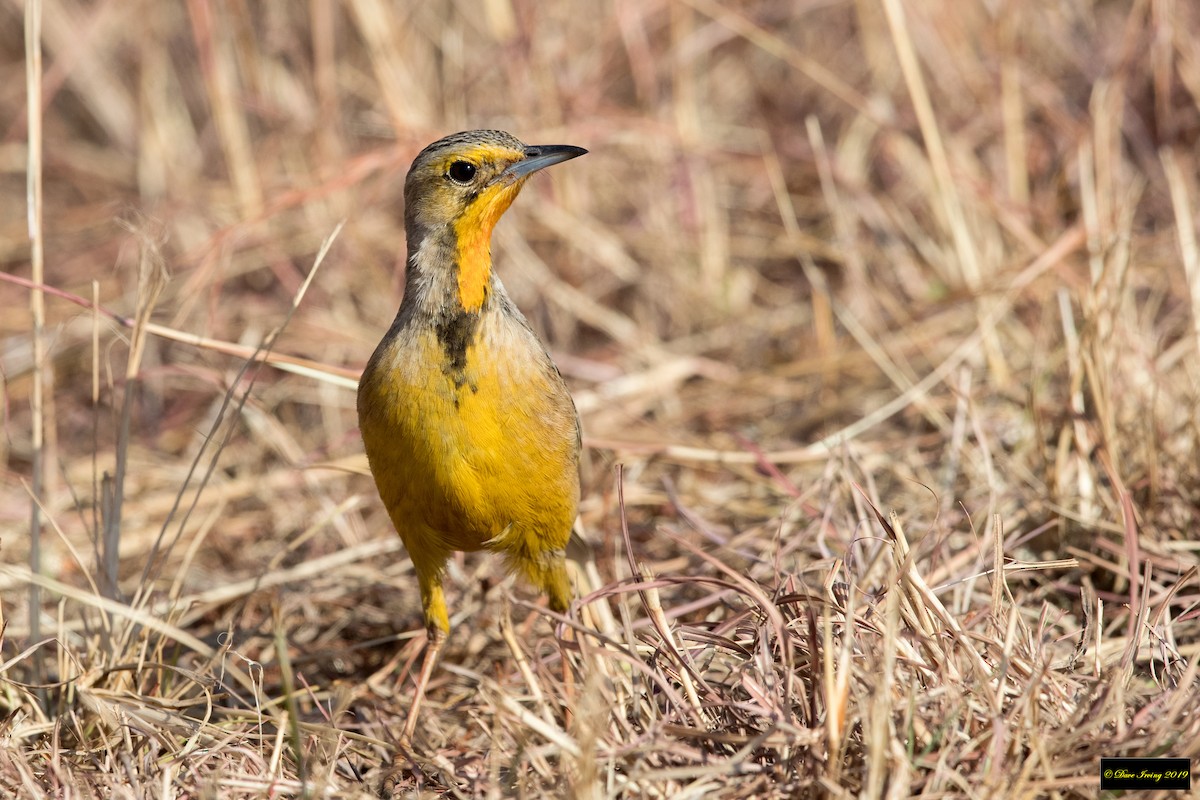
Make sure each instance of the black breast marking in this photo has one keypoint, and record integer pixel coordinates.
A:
(455, 331)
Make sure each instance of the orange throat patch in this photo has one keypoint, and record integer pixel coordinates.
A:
(473, 231)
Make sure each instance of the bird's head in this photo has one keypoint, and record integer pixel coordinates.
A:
(458, 188)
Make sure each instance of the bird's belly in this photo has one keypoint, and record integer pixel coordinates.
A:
(486, 456)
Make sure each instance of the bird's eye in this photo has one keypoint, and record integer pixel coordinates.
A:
(461, 172)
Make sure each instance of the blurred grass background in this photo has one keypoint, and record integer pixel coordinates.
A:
(825, 261)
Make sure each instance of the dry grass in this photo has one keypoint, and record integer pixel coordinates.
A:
(889, 311)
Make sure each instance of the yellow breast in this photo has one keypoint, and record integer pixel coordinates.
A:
(472, 449)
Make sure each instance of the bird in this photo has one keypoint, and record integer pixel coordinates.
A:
(470, 431)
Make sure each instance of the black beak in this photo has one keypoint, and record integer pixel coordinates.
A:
(539, 157)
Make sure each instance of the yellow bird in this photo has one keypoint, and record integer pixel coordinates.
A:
(469, 429)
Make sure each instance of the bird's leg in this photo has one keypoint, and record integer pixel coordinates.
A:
(403, 760)
(428, 563)
(551, 577)
(433, 648)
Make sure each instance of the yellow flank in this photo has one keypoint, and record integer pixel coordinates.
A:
(469, 429)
